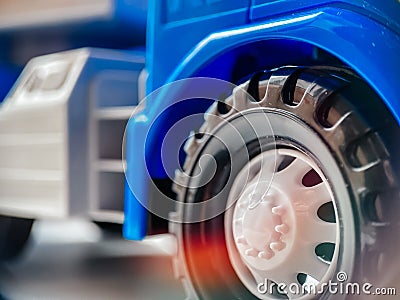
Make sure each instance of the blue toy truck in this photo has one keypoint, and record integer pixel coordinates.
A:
(262, 134)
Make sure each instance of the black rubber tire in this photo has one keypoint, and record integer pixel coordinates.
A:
(360, 137)
(14, 234)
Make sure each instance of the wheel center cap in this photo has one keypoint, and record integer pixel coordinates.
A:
(260, 225)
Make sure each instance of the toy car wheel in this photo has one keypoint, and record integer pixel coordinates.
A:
(328, 210)
(14, 233)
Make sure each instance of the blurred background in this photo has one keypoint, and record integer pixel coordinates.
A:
(75, 259)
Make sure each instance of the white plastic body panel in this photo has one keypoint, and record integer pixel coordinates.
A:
(33, 138)
(61, 130)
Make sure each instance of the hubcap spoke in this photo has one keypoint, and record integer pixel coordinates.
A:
(314, 267)
(322, 232)
(316, 195)
(294, 172)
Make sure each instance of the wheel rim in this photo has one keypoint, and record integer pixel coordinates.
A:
(317, 112)
(287, 233)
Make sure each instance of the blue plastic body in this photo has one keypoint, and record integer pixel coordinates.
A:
(8, 76)
(208, 38)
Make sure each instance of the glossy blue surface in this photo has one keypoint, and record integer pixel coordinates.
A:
(174, 27)
(385, 12)
(368, 47)
(8, 76)
(354, 33)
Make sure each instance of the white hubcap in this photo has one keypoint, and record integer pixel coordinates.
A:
(274, 228)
